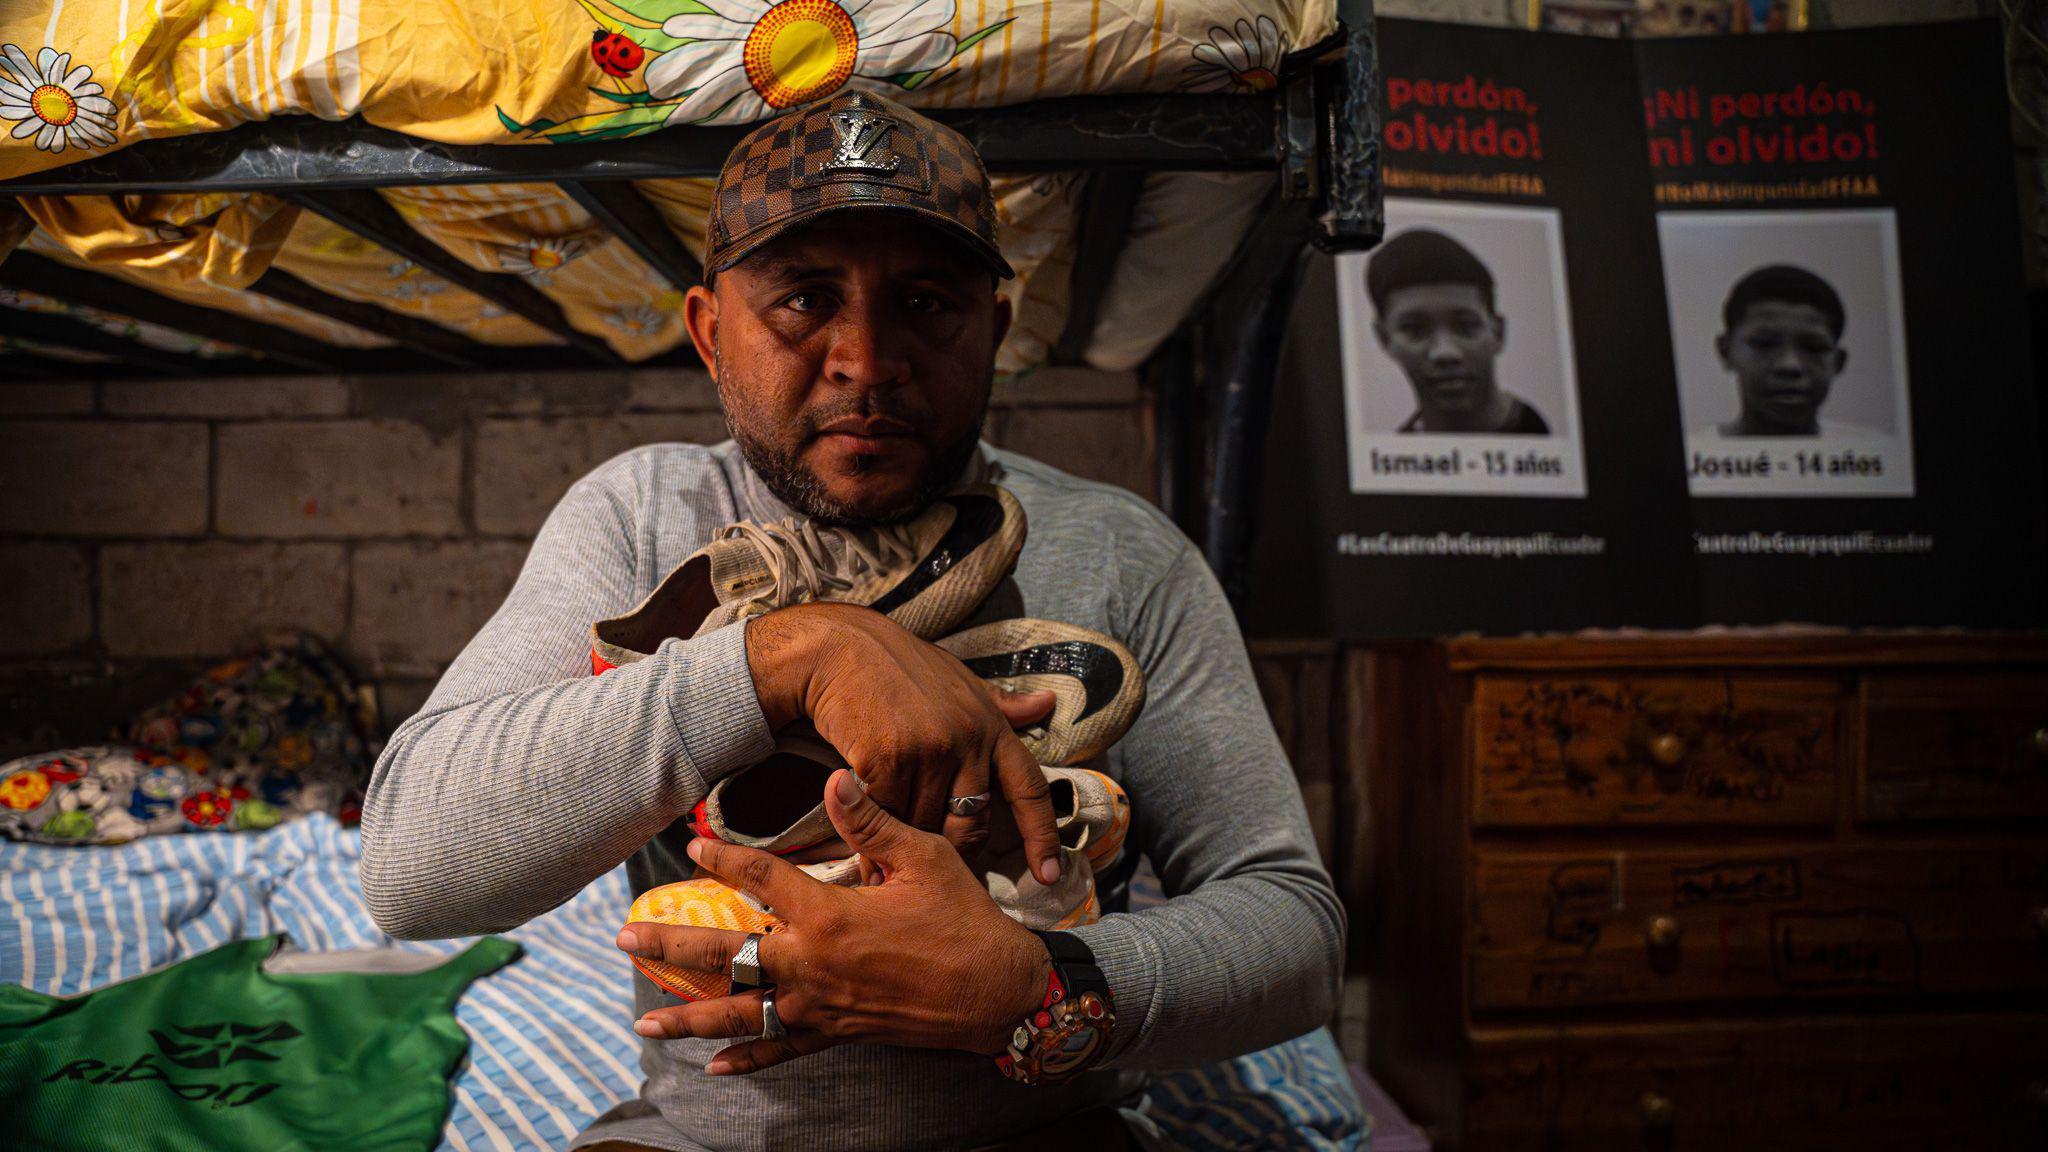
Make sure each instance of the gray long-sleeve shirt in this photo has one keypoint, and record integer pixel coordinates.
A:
(525, 777)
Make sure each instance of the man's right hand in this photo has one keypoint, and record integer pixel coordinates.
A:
(914, 723)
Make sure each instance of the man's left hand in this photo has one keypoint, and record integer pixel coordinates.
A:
(923, 959)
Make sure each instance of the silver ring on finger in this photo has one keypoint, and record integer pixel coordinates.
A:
(771, 1023)
(967, 805)
(745, 972)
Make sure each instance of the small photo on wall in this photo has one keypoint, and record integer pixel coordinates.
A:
(1646, 18)
(1790, 343)
(1459, 377)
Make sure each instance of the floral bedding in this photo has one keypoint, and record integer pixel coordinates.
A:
(82, 77)
(246, 746)
(79, 77)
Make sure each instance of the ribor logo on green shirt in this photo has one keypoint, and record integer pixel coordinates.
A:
(201, 1048)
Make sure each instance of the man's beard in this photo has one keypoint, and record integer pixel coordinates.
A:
(796, 484)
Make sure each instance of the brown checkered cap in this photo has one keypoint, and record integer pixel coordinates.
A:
(856, 150)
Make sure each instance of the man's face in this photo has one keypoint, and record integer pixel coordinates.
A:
(1784, 358)
(854, 359)
(1446, 338)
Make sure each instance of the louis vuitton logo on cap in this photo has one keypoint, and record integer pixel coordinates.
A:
(863, 143)
(855, 152)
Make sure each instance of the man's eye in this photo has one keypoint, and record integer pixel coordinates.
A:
(924, 302)
(801, 302)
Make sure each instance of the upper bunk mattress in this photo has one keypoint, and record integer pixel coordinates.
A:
(83, 77)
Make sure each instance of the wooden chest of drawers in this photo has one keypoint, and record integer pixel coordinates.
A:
(1709, 892)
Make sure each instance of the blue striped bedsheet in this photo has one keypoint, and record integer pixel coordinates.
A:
(551, 1038)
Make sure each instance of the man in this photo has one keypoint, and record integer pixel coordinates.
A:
(1433, 311)
(1781, 337)
(850, 322)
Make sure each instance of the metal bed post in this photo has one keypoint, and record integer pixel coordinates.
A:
(1329, 140)
(1355, 215)
(1243, 371)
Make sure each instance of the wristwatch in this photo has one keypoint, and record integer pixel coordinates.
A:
(1071, 1030)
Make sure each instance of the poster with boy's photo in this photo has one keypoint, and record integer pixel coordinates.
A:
(1790, 342)
(1477, 427)
(1457, 354)
(1841, 250)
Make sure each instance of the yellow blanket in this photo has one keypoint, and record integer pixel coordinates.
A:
(84, 76)
(81, 77)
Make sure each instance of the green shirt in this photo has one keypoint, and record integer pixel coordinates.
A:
(213, 1054)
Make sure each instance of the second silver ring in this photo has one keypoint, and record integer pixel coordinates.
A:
(771, 1022)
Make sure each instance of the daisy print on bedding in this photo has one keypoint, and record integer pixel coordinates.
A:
(748, 59)
(412, 282)
(537, 259)
(739, 61)
(59, 105)
(637, 319)
(1243, 60)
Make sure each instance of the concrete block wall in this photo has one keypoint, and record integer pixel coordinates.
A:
(150, 526)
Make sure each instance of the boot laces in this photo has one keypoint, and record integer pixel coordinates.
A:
(805, 568)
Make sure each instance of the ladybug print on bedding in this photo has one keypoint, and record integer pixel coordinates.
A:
(614, 53)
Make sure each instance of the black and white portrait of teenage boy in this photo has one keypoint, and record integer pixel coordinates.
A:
(1458, 373)
(1781, 339)
(1434, 313)
(1790, 352)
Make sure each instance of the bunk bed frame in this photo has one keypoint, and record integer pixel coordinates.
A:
(1213, 380)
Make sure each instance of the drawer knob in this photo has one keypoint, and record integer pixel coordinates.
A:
(1662, 933)
(2038, 742)
(1668, 749)
(1657, 1110)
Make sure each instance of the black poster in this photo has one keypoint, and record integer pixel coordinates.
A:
(1842, 271)
(1477, 427)
(1667, 333)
